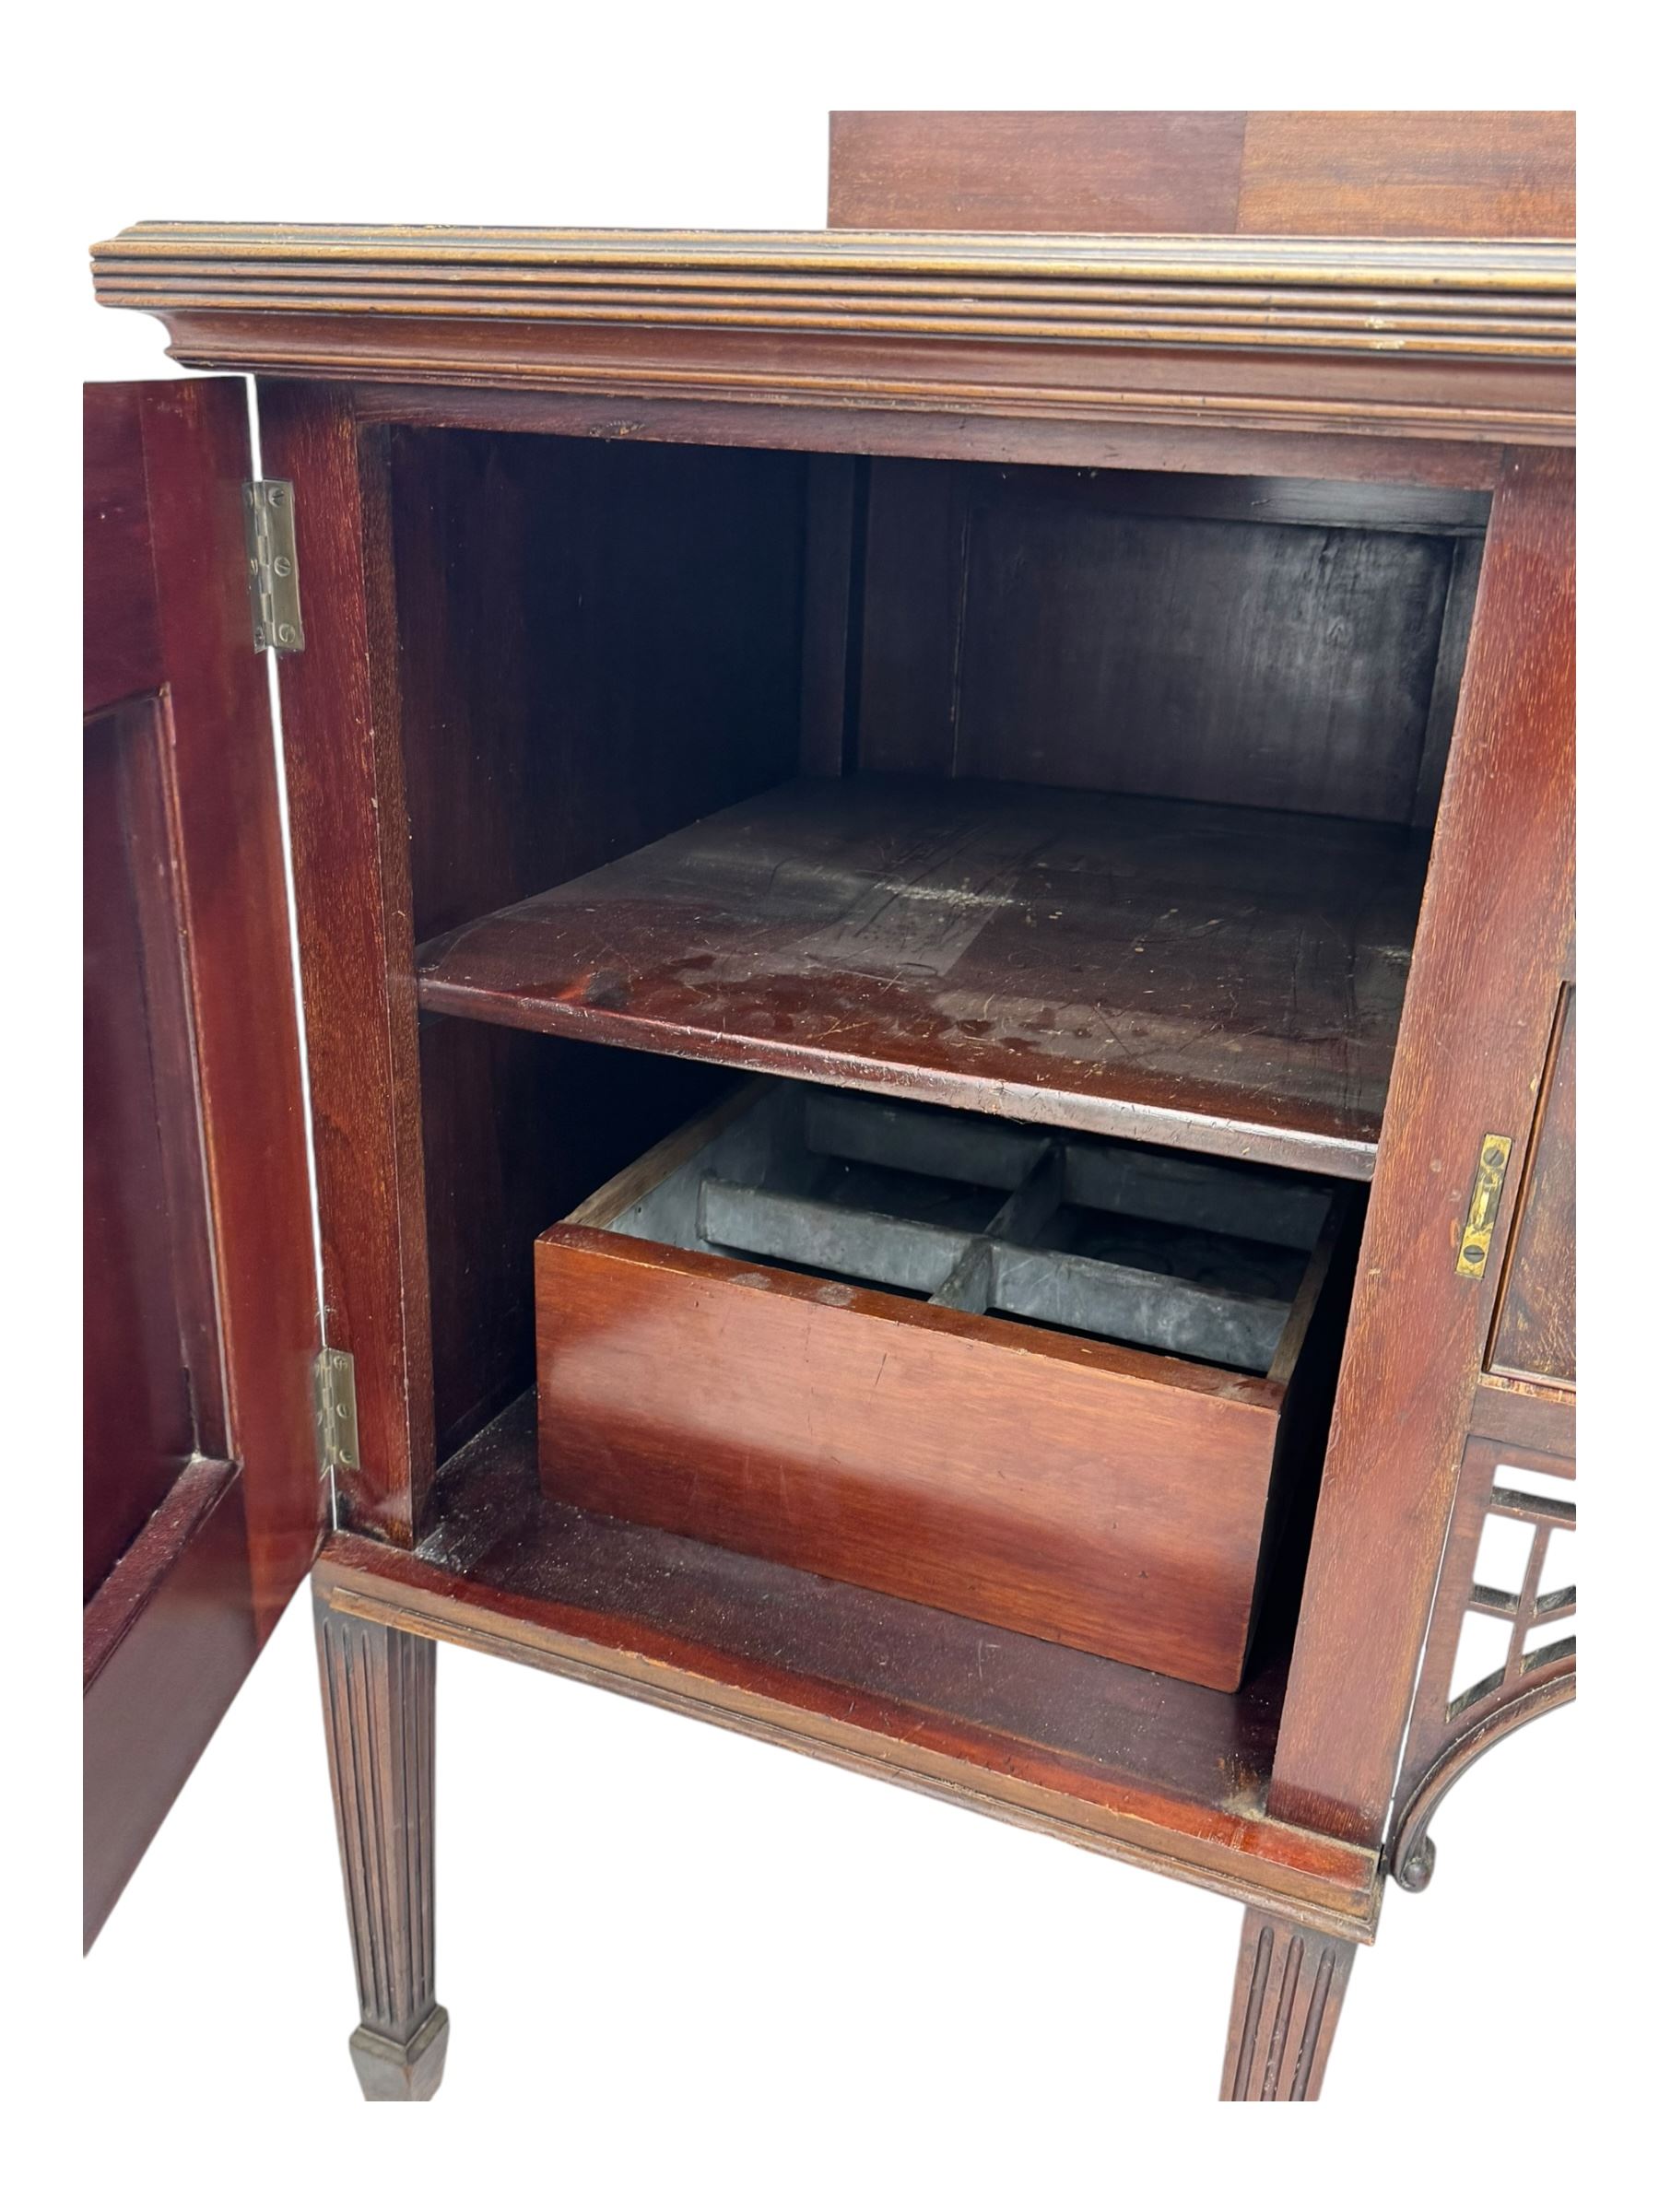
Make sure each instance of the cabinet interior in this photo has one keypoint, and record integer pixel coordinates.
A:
(1099, 800)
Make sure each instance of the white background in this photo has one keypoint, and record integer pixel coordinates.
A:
(683, 1967)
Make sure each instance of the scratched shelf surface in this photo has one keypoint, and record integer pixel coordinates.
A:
(1222, 978)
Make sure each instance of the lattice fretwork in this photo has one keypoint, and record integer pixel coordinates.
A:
(1454, 1718)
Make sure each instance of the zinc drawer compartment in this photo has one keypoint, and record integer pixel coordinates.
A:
(1039, 1380)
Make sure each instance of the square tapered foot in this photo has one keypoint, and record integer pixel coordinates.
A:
(410, 2073)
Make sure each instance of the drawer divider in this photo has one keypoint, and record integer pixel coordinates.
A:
(997, 1269)
(971, 1286)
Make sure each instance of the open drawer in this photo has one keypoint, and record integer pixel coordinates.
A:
(1045, 1382)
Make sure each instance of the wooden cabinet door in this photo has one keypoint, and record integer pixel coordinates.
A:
(202, 1500)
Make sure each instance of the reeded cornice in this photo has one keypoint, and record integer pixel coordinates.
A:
(1460, 338)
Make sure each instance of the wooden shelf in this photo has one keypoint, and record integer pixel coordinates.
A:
(1120, 1761)
(1223, 979)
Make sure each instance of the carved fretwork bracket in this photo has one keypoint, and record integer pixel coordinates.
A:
(1453, 1723)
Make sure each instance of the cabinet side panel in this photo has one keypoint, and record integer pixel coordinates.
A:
(1478, 1013)
(598, 644)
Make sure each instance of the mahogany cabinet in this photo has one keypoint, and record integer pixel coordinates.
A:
(1067, 682)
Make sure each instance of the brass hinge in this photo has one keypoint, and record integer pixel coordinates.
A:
(334, 1403)
(1475, 1241)
(272, 566)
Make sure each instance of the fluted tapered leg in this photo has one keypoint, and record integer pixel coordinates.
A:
(1287, 2000)
(378, 1706)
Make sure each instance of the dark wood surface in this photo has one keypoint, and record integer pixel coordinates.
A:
(597, 642)
(516, 1129)
(1536, 1331)
(1480, 1010)
(1216, 978)
(1287, 2000)
(832, 610)
(1200, 444)
(169, 1637)
(1412, 340)
(1252, 643)
(151, 1394)
(120, 628)
(1109, 1757)
(192, 1107)
(595, 645)
(1420, 174)
(1104, 1497)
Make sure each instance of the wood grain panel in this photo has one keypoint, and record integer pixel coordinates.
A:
(1352, 172)
(1286, 668)
(1088, 631)
(910, 618)
(1409, 174)
(1138, 169)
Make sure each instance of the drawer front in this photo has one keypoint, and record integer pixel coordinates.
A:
(1094, 1496)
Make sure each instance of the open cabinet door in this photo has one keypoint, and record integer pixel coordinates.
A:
(201, 1502)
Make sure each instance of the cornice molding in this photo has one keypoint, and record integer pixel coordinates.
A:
(1450, 338)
